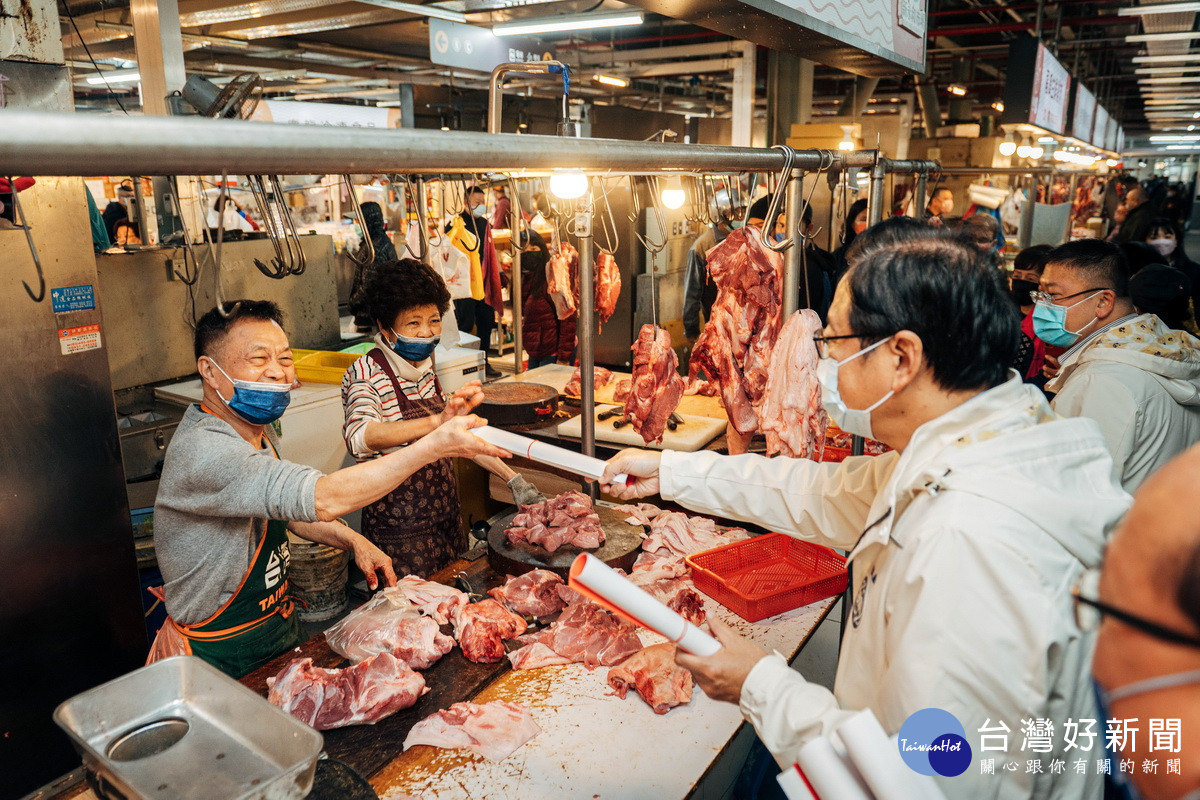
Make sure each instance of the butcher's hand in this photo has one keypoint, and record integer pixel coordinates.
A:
(722, 674)
(641, 465)
(463, 401)
(524, 492)
(371, 560)
(454, 439)
(1051, 366)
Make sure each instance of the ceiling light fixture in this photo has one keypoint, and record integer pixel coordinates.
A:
(1159, 8)
(1166, 70)
(1169, 81)
(575, 22)
(999, 106)
(116, 76)
(1173, 36)
(1166, 59)
(414, 8)
(611, 80)
(1008, 146)
(672, 194)
(957, 89)
(568, 184)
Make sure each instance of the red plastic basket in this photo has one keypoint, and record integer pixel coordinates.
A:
(766, 575)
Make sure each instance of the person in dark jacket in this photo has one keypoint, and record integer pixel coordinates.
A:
(1166, 237)
(1163, 291)
(1139, 214)
(857, 220)
(546, 338)
(384, 251)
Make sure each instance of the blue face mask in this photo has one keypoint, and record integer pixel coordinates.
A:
(257, 402)
(1049, 323)
(414, 348)
(737, 223)
(779, 237)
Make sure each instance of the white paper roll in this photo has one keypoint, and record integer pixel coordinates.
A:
(793, 785)
(878, 761)
(545, 453)
(634, 602)
(831, 776)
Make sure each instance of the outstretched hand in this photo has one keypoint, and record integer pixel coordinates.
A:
(464, 400)
(454, 439)
(641, 465)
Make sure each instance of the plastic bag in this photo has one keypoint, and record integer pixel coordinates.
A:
(453, 265)
(388, 622)
(168, 641)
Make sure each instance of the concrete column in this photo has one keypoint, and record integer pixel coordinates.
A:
(743, 96)
(159, 46)
(931, 110)
(855, 102)
(789, 94)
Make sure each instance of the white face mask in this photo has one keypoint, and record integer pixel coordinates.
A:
(852, 420)
(478, 210)
(1164, 246)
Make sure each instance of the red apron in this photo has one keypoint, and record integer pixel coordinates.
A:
(419, 524)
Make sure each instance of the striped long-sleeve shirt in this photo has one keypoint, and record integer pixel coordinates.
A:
(368, 396)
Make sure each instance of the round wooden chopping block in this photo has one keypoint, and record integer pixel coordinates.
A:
(514, 403)
(621, 547)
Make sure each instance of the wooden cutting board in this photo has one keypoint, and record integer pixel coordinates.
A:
(693, 434)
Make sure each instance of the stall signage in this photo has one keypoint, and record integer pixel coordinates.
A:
(1083, 114)
(79, 340)
(453, 44)
(1100, 128)
(293, 112)
(73, 298)
(1037, 89)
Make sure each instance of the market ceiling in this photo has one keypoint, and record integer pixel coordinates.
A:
(1138, 58)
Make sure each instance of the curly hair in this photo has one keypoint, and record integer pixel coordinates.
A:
(400, 285)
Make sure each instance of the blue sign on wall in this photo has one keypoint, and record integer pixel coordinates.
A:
(73, 298)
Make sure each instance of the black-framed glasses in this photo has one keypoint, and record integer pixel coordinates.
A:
(823, 348)
(1089, 610)
(1049, 299)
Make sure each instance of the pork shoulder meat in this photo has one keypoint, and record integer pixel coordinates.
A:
(657, 385)
(566, 519)
(653, 674)
(584, 632)
(735, 346)
(481, 629)
(600, 377)
(334, 698)
(608, 286)
(533, 594)
(494, 730)
(792, 417)
(562, 271)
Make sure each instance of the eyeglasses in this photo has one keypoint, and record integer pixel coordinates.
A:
(1049, 299)
(823, 348)
(1089, 611)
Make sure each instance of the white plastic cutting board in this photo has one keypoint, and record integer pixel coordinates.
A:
(693, 434)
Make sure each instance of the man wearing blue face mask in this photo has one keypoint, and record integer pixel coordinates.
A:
(1139, 379)
(964, 541)
(227, 499)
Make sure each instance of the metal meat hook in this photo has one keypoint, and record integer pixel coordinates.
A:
(40, 294)
(789, 158)
(362, 222)
(220, 239)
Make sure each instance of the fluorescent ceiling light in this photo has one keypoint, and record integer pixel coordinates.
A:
(1159, 8)
(1176, 137)
(1167, 81)
(957, 89)
(1166, 70)
(413, 8)
(569, 22)
(1163, 37)
(116, 76)
(611, 80)
(1166, 59)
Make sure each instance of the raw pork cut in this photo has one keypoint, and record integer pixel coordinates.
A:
(432, 599)
(677, 594)
(534, 594)
(494, 730)
(791, 415)
(388, 623)
(601, 377)
(735, 346)
(584, 632)
(657, 385)
(481, 629)
(334, 698)
(653, 675)
(621, 390)
(641, 513)
(701, 387)
(674, 532)
(562, 272)
(566, 519)
(654, 567)
(608, 286)
(536, 655)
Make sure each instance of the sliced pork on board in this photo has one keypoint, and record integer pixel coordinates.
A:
(677, 594)
(481, 629)
(562, 271)
(534, 594)
(791, 415)
(333, 698)
(585, 633)
(676, 533)
(654, 676)
(383, 625)
(601, 377)
(657, 385)
(566, 519)
(734, 348)
(494, 730)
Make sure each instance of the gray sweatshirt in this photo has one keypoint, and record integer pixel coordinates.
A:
(216, 496)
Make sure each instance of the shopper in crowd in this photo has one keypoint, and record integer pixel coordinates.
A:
(1139, 215)
(392, 398)
(964, 541)
(1167, 238)
(501, 208)
(385, 253)
(857, 219)
(1175, 204)
(225, 214)
(1162, 291)
(1131, 373)
(227, 499)
(983, 230)
(941, 204)
(1026, 275)
(1147, 609)
(699, 292)
(546, 338)
(472, 234)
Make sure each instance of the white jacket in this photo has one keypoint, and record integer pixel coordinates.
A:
(1141, 381)
(964, 552)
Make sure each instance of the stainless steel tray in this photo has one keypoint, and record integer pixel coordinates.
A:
(181, 728)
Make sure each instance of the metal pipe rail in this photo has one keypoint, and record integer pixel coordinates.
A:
(919, 167)
(38, 143)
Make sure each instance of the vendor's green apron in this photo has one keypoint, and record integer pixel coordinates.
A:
(419, 523)
(256, 623)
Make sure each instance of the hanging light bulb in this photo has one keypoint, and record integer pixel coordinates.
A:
(568, 184)
(672, 195)
(1008, 146)
(847, 142)
(1023, 149)
(1036, 152)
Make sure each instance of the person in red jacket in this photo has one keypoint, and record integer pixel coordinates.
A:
(546, 338)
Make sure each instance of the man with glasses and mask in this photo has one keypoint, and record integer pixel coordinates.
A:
(964, 541)
(1139, 379)
(1146, 605)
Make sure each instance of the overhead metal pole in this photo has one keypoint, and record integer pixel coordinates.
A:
(875, 199)
(919, 201)
(43, 143)
(496, 91)
(793, 263)
(515, 219)
(585, 331)
(1025, 234)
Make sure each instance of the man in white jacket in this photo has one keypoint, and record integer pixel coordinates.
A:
(965, 541)
(1139, 379)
